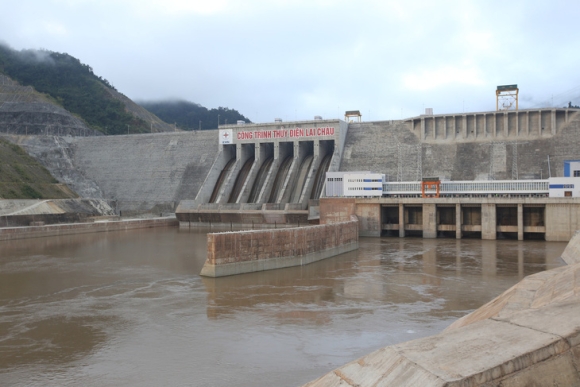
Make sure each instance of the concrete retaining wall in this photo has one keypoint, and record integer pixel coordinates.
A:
(240, 252)
(146, 173)
(464, 153)
(528, 336)
(11, 233)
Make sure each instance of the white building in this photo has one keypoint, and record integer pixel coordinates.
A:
(561, 187)
(354, 184)
(572, 168)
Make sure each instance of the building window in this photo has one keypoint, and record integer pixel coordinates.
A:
(576, 173)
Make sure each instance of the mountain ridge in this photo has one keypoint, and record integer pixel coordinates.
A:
(62, 80)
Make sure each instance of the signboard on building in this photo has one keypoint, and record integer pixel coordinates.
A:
(230, 136)
(226, 136)
(507, 87)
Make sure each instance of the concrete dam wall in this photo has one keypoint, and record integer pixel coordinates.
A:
(154, 172)
(475, 146)
(139, 173)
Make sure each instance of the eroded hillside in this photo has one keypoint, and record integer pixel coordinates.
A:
(22, 177)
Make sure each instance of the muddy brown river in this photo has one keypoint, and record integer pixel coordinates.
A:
(129, 308)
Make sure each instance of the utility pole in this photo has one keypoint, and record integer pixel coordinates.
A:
(490, 161)
(515, 161)
(420, 163)
(127, 128)
(399, 163)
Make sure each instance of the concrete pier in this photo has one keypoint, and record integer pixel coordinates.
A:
(238, 252)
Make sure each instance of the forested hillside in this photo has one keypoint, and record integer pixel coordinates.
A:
(191, 116)
(74, 86)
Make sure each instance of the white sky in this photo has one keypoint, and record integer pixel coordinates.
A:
(294, 59)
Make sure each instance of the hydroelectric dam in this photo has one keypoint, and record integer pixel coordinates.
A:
(273, 174)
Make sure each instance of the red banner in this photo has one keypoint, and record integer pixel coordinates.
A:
(285, 133)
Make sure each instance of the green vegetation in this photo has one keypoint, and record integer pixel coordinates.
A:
(22, 177)
(191, 116)
(73, 85)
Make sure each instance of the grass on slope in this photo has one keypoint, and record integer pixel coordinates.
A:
(22, 177)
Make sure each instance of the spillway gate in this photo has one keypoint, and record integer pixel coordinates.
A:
(275, 166)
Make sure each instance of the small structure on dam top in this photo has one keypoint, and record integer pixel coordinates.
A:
(508, 95)
(430, 184)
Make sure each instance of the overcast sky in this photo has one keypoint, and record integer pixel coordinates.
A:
(295, 59)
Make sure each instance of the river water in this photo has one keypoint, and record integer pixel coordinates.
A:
(129, 308)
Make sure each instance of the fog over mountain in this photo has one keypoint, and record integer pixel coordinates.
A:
(297, 59)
